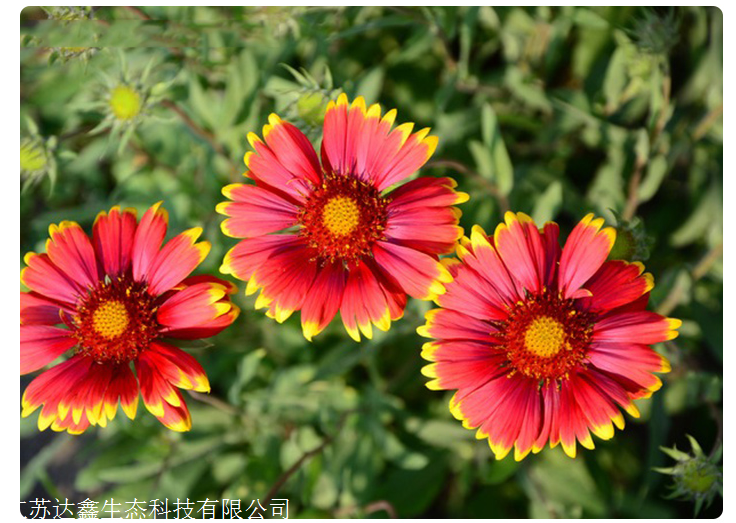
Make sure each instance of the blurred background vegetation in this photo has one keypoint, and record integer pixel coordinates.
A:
(552, 111)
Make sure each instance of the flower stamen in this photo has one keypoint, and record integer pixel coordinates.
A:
(343, 218)
(341, 215)
(116, 321)
(545, 337)
(110, 319)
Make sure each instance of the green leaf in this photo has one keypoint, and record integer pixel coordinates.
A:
(440, 433)
(227, 466)
(615, 80)
(588, 18)
(656, 172)
(491, 157)
(565, 483)
(36, 467)
(707, 215)
(325, 492)
(412, 491)
(532, 94)
(467, 28)
(548, 203)
(247, 369)
(370, 85)
(202, 103)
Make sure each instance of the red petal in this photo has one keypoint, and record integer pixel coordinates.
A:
(38, 310)
(71, 251)
(482, 256)
(474, 405)
(550, 430)
(160, 395)
(335, 137)
(467, 373)
(420, 275)
(86, 397)
(230, 287)
(42, 276)
(615, 284)
(633, 361)
(51, 386)
(364, 303)
(176, 418)
(71, 426)
(147, 240)
(458, 350)
(358, 141)
(552, 251)
(250, 254)
(255, 211)
(286, 278)
(179, 368)
(473, 295)
(636, 327)
(292, 149)
(425, 192)
(41, 344)
(447, 324)
(596, 406)
(112, 235)
(414, 151)
(431, 230)
(155, 387)
(273, 169)
(178, 258)
(123, 388)
(520, 245)
(573, 425)
(323, 300)
(586, 249)
(195, 305)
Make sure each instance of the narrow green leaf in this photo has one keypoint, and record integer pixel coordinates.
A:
(501, 171)
(371, 84)
(656, 172)
(548, 203)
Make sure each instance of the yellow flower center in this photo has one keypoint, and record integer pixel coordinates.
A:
(341, 215)
(544, 337)
(125, 102)
(31, 158)
(110, 319)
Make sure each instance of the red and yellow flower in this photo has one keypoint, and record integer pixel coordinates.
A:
(115, 299)
(336, 236)
(544, 344)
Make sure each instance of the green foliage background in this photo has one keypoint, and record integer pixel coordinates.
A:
(552, 111)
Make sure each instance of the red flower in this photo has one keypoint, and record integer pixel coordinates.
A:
(544, 344)
(346, 241)
(118, 297)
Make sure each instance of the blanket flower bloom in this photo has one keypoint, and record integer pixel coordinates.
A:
(114, 299)
(329, 237)
(544, 344)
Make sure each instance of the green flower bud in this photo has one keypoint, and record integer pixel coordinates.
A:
(697, 477)
(654, 33)
(632, 241)
(125, 102)
(311, 108)
(32, 157)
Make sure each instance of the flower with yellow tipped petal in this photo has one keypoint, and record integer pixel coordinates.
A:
(113, 299)
(329, 236)
(544, 344)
